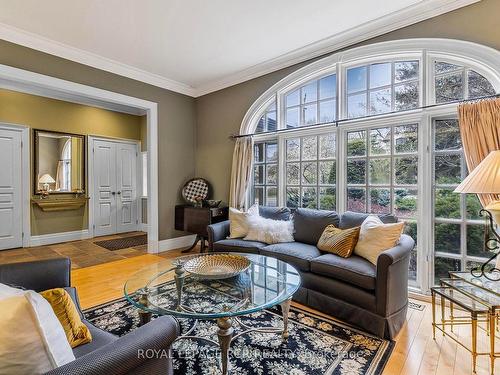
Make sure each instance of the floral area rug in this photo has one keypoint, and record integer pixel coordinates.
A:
(316, 345)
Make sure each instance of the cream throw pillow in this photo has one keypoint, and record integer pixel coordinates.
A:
(375, 237)
(269, 231)
(238, 226)
(32, 338)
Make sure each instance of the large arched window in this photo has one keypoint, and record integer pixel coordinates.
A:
(374, 129)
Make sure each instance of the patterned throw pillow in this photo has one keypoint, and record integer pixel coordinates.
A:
(339, 241)
(238, 221)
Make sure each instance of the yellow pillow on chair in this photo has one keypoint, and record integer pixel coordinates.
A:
(339, 241)
(67, 313)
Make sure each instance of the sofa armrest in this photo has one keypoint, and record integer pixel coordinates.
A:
(392, 277)
(217, 232)
(38, 275)
(144, 350)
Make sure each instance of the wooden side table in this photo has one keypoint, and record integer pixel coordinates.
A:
(196, 219)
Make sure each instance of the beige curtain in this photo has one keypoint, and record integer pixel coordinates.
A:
(480, 132)
(241, 171)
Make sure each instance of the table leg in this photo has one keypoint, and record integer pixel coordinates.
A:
(442, 313)
(433, 296)
(492, 317)
(198, 237)
(285, 309)
(225, 333)
(474, 342)
(179, 283)
(451, 311)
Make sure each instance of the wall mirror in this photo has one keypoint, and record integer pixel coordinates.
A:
(59, 162)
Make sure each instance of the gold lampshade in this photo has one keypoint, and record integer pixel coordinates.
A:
(485, 179)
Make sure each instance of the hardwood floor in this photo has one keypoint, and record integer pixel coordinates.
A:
(415, 352)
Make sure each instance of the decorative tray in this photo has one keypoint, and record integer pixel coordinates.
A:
(217, 266)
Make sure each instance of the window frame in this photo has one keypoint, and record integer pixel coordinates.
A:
(481, 59)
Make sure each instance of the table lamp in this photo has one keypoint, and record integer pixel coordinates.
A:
(485, 179)
(46, 179)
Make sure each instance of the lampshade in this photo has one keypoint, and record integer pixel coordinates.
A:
(46, 179)
(485, 178)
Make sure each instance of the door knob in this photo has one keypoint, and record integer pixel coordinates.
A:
(119, 193)
(113, 193)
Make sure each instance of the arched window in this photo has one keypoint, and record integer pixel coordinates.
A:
(66, 166)
(374, 129)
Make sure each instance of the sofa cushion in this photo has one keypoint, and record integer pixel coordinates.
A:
(353, 270)
(99, 339)
(238, 245)
(295, 253)
(354, 219)
(275, 213)
(310, 224)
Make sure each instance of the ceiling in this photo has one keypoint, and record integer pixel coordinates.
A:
(200, 46)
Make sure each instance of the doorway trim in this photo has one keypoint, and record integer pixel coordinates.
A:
(39, 84)
(90, 176)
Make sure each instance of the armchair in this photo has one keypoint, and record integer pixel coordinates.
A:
(106, 354)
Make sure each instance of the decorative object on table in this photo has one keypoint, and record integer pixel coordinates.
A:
(196, 190)
(217, 266)
(485, 179)
(212, 203)
(196, 219)
(45, 181)
(310, 333)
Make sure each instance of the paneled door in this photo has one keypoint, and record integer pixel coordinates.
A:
(115, 187)
(11, 230)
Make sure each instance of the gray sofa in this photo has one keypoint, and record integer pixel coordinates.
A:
(106, 354)
(374, 298)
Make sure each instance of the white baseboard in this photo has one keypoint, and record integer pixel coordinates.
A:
(48, 239)
(176, 243)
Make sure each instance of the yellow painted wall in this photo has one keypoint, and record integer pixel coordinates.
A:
(50, 114)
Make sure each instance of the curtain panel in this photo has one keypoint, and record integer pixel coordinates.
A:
(480, 132)
(241, 171)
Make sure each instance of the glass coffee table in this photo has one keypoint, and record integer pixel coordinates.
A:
(166, 288)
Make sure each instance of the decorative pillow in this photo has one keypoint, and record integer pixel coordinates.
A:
(269, 231)
(339, 241)
(375, 237)
(238, 226)
(77, 333)
(33, 340)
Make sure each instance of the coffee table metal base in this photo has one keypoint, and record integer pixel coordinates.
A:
(225, 333)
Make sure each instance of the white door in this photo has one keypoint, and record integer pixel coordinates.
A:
(126, 187)
(11, 228)
(115, 187)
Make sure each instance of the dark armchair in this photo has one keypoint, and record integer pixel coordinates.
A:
(106, 354)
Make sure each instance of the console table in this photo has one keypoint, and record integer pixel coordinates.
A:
(196, 219)
(479, 298)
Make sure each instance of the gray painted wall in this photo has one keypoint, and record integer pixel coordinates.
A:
(219, 114)
(176, 119)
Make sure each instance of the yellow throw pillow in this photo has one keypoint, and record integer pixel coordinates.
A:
(375, 237)
(339, 241)
(67, 313)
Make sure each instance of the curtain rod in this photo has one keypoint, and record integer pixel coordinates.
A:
(336, 122)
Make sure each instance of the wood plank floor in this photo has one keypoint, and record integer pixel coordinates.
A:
(415, 351)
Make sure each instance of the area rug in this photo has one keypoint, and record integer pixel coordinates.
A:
(316, 346)
(124, 243)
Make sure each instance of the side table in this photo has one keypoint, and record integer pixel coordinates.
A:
(196, 219)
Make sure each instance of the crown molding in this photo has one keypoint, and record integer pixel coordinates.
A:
(40, 43)
(396, 20)
(410, 15)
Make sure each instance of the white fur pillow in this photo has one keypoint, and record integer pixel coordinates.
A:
(238, 227)
(269, 231)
